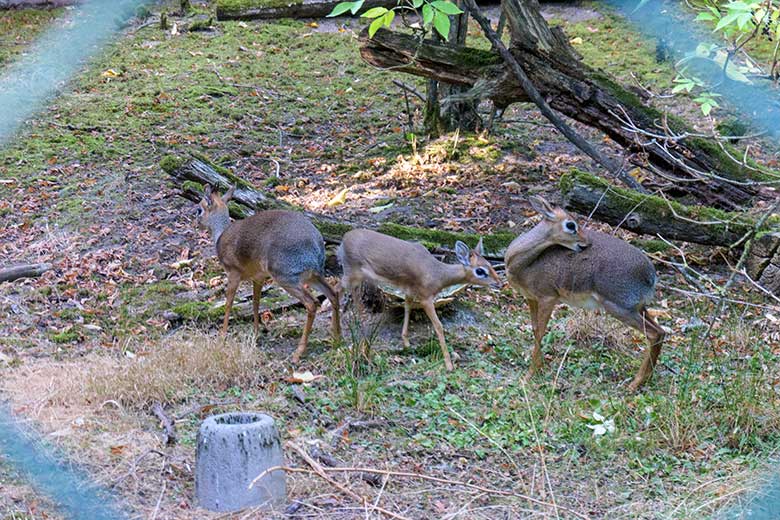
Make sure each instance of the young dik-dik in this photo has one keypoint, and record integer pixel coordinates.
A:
(377, 258)
(281, 245)
(558, 261)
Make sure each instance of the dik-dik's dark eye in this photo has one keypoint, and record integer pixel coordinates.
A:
(570, 226)
(480, 273)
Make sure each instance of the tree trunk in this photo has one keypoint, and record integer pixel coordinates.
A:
(272, 9)
(579, 92)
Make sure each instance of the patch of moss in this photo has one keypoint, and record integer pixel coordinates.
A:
(198, 310)
(171, 163)
(67, 336)
(626, 200)
(192, 186)
(229, 8)
(332, 230)
(495, 243)
(651, 246)
(471, 57)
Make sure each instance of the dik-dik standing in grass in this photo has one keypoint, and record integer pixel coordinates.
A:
(370, 256)
(558, 261)
(281, 245)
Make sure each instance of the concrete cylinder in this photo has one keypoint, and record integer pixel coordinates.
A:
(233, 449)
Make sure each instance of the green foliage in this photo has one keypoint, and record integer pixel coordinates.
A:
(434, 13)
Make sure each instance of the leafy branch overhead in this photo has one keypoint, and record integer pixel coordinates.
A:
(434, 14)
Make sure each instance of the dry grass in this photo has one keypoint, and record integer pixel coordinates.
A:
(183, 364)
(588, 327)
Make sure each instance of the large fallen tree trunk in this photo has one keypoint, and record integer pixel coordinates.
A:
(272, 9)
(695, 166)
(9, 274)
(192, 175)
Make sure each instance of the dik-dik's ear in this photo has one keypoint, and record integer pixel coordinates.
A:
(462, 253)
(229, 195)
(480, 249)
(542, 207)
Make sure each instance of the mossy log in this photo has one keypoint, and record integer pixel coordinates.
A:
(274, 9)
(653, 215)
(579, 92)
(192, 175)
(650, 214)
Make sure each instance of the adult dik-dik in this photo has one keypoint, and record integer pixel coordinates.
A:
(558, 261)
(281, 245)
(370, 256)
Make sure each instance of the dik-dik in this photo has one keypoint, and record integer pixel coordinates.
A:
(370, 256)
(558, 261)
(281, 245)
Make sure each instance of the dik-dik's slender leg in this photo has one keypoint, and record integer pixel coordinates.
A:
(430, 310)
(405, 328)
(232, 286)
(641, 321)
(333, 297)
(308, 301)
(540, 315)
(257, 288)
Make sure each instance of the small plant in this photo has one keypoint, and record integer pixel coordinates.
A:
(434, 14)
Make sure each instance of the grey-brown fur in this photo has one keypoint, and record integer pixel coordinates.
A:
(558, 261)
(281, 245)
(370, 256)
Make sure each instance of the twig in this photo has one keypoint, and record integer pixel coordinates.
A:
(169, 429)
(198, 408)
(319, 470)
(421, 476)
(532, 92)
(159, 500)
(741, 262)
(407, 88)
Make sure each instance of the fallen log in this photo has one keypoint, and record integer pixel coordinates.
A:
(654, 215)
(273, 9)
(10, 274)
(653, 139)
(192, 175)
(651, 214)
(23, 4)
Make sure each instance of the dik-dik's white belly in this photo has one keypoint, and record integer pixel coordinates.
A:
(589, 301)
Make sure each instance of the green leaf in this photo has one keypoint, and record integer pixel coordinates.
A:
(341, 8)
(446, 7)
(374, 27)
(706, 108)
(389, 15)
(356, 6)
(726, 20)
(427, 14)
(417, 3)
(442, 24)
(375, 12)
(705, 17)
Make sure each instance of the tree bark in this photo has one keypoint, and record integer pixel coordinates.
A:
(581, 93)
(272, 9)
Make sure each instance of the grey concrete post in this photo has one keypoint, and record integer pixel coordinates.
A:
(232, 450)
